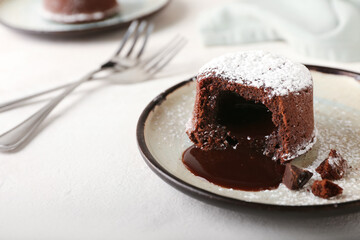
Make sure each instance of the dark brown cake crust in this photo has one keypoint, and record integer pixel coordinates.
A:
(325, 189)
(79, 11)
(78, 6)
(292, 115)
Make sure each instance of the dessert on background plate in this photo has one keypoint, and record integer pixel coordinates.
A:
(33, 18)
(79, 11)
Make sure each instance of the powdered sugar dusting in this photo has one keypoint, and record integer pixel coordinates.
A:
(276, 74)
(335, 161)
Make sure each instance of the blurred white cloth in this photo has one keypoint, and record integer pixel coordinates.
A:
(327, 29)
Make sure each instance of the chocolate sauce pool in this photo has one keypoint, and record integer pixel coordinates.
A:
(242, 166)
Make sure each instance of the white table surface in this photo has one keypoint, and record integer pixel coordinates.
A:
(82, 176)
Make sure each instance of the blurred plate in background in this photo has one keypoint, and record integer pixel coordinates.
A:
(26, 16)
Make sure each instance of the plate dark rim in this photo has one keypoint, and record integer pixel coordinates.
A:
(219, 200)
(87, 31)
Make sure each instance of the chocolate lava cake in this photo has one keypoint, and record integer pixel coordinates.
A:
(78, 11)
(265, 97)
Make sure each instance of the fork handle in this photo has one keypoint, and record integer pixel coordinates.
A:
(13, 138)
(12, 104)
(6, 105)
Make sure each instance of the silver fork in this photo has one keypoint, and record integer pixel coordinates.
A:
(15, 137)
(116, 63)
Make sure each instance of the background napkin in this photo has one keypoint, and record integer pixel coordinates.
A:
(327, 29)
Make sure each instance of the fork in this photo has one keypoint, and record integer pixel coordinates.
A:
(116, 62)
(142, 71)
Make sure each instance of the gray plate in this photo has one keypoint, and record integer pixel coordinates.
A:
(26, 16)
(162, 139)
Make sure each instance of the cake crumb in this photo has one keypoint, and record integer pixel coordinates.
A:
(334, 167)
(325, 189)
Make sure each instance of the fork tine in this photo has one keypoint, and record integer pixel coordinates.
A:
(166, 57)
(128, 33)
(150, 28)
(156, 58)
(160, 52)
(139, 31)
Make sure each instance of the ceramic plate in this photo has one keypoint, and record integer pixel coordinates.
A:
(26, 15)
(162, 140)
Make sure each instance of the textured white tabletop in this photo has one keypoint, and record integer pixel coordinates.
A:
(82, 176)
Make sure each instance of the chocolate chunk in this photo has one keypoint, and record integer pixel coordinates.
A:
(295, 178)
(334, 167)
(325, 189)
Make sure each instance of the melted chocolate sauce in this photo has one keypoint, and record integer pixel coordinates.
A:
(245, 118)
(242, 166)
